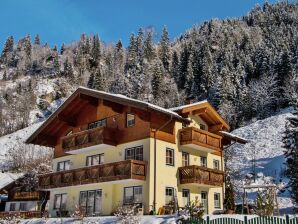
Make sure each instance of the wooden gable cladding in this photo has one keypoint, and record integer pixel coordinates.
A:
(165, 126)
(207, 113)
(115, 115)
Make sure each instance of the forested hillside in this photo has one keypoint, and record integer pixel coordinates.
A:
(247, 68)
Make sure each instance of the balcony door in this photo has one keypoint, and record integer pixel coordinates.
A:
(204, 199)
(91, 202)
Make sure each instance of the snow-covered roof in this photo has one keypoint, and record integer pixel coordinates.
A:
(187, 105)
(8, 178)
(234, 137)
(150, 105)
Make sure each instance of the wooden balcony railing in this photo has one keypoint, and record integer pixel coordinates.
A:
(90, 137)
(26, 195)
(191, 135)
(128, 169)
(201, 175)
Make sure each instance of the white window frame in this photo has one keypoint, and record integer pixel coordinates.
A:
(92, 159)
(170, 160)
(65, 162)
(169, 198)
(202, 159)
(130, 119)
(216, 164)
(137, 153)
(61, 205)
(217, 201)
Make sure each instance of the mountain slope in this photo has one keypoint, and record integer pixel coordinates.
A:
(266, 148)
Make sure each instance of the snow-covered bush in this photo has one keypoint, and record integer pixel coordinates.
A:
(11, 218)
(193, 210)
(127, 214)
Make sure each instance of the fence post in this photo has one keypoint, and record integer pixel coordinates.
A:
(208, 220)
(245, 220)
(287, 219)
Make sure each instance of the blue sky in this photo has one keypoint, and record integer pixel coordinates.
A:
(59, 21)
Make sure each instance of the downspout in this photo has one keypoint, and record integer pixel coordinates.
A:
(155, 131)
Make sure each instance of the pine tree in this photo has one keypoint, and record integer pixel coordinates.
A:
(4, 77)
(68, 70)
(140, 49)
(99, 81)
(90, 83)
(291, 144)
(157, 81)
(56, 66)
(132, 52)
(164, 49)
(149, 52)
(37, 40)
(96, 52)
(229, 202)
(28, 46)
(8, 46)
(175, 67)
(62, 49)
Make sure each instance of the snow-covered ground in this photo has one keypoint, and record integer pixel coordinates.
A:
(266, 147)
(16, 140)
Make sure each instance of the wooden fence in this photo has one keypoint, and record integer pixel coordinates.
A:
(244, 220)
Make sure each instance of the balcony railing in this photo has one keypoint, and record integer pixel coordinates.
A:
(26, 195)
(200, 175)
(90, 137)
(191, 135)
(128, 169)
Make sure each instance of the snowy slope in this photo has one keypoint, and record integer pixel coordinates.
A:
(266, 147)
(17, 139)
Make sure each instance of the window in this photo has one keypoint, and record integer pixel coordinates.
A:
(97, 124)
(216, 164)
(130, 120)
(216, 200)
(94, 160)
(135, 153)
(169, 195)
(185, 159)
(170, 157)
(64, 165)
(133, 195)
(60, 201)
(185, 196)
(12, 207)
(203, 161)
(202, 126)
(23, 206)
(91, 201)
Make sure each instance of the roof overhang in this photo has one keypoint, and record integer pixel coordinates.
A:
(233, 138)
(207, 112)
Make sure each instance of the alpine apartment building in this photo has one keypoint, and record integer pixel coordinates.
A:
(112, 150)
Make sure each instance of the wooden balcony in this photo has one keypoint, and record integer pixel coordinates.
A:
(26, 195)
(200, 139)
(97, 136)
(124, 170)
(201, 176)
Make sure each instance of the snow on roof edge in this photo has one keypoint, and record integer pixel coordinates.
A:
(150, 105)
(188, 105)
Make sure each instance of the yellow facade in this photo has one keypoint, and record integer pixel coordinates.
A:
(166, 175)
